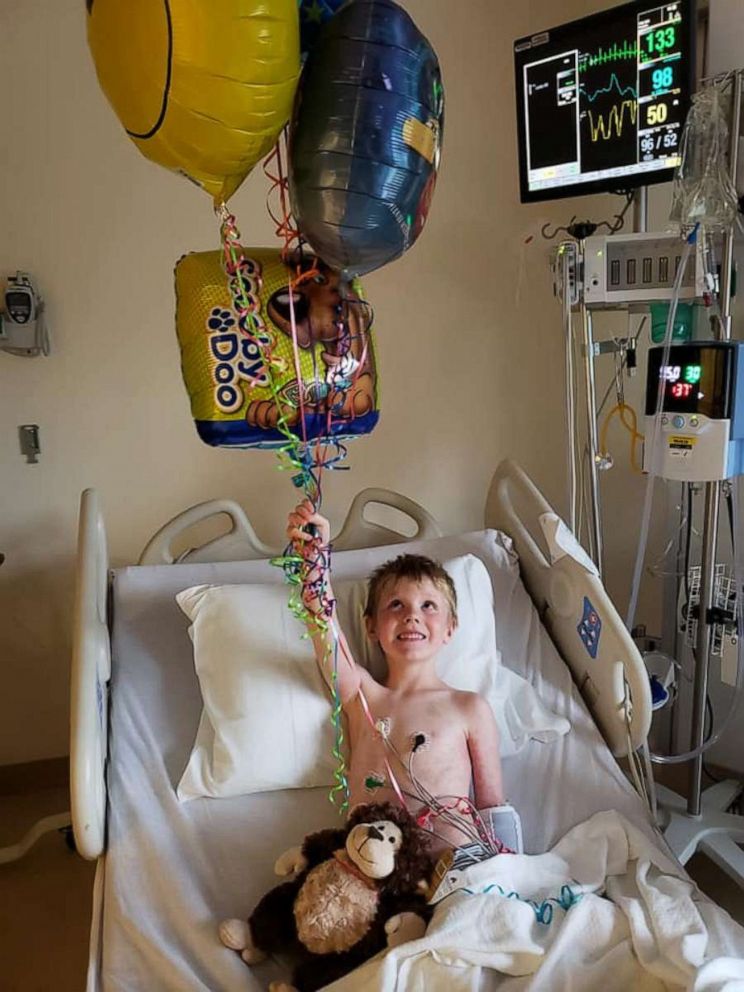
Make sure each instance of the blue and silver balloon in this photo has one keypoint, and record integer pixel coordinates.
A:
(313, 15)
(366, 136)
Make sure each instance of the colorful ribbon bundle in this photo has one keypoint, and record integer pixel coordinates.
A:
(305, 568)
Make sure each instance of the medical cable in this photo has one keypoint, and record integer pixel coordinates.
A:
(710, 721)
(645, 524)
(585, 452)
(715, 735)
(648, 499)
(688, 542)
(656, 435)
(458, 814)
(582, 482)
(636, 769)
(650, 780)
(570, 390)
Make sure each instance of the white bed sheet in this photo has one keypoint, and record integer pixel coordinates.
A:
(173, 870)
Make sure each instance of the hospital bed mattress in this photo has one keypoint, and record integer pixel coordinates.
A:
(173, 870)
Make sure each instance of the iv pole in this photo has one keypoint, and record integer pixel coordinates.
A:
(702, 823)
(712, 501)
(640, 226)
(593, 438)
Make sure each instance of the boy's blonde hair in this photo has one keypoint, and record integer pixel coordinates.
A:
(414, 567)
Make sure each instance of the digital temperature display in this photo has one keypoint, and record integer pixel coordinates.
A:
(681, 390)
(696, 380)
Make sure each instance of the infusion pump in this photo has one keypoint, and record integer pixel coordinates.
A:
(23, 329)
(697, 435)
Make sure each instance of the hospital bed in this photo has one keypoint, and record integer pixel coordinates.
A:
(168, 871)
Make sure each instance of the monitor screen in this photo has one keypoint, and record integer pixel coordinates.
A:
(697, 379)
(601, 102)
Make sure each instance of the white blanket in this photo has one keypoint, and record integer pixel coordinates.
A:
(605, 909)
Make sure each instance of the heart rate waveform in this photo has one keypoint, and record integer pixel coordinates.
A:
(614, 83)
(628, 50)
(606, 126)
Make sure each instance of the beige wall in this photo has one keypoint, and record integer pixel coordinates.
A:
(469, 336)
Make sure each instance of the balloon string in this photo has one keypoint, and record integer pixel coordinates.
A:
(305, 461)
(285, 228)
(340, 789)
(297, 365)
(306, 568)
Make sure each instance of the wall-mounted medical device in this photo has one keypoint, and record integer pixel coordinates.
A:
(23, 329)
(697, 435)
(601, 101)
(622, 269)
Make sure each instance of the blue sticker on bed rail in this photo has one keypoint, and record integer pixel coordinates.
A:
(590, 628)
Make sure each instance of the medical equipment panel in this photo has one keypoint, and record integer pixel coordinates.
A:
(621, 269)
(601, 101)
(697, 435)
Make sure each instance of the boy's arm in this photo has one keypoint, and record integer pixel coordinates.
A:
(483, 744)
(331, 648)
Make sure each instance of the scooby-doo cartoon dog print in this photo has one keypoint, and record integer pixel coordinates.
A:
(341, 326)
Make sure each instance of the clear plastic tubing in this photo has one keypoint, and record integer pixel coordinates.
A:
(570, 399)
(672, 759)
(649, 495)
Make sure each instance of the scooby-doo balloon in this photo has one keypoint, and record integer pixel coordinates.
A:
(365, 137)
(232, 401)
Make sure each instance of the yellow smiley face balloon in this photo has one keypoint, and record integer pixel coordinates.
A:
(202, 88)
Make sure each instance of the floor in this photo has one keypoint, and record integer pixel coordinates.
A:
(45, 901)
(709, 877)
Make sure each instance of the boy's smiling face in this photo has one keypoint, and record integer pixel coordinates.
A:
(412, 621)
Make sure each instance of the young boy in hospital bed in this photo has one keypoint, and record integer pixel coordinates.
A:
(451, 735)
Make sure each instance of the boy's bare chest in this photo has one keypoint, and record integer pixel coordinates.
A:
(431, 722)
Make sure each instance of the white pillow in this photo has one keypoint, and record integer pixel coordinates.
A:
(266, 718)
(265, 722)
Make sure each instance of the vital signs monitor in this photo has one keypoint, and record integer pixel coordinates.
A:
(601, 102)
(695, 428)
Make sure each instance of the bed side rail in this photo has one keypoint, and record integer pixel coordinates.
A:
(91, 671)
(360, 532)
(240, 542)
(575, 608)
